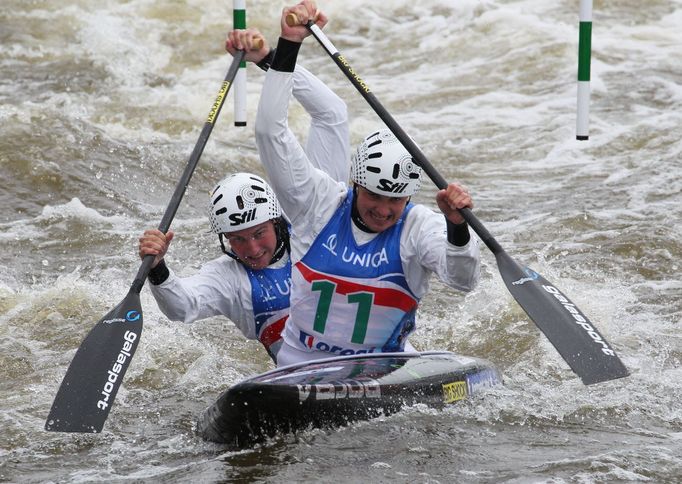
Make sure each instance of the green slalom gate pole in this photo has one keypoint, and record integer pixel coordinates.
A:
(239, 22)
(584, 59)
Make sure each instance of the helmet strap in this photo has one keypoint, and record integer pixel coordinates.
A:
(355, 214)
(282, 233)
(225, 251)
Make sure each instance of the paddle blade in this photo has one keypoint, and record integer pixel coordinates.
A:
(90, 385)
(567, 328)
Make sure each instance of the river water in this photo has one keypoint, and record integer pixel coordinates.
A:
(101, 102)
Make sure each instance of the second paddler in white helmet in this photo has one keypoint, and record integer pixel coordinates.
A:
(250, 282)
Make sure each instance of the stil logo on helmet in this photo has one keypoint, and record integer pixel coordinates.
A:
(242, 218)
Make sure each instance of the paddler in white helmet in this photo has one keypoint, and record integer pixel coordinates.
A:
(362, 255)
(250, 283)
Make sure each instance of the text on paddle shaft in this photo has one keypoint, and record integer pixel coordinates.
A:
(218, 102)
(358, 80)
(580, 319)
(116, 369)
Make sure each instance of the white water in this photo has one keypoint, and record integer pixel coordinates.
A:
(100, 105)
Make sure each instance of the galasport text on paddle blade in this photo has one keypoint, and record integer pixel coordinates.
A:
(90, 385)
(573, 335)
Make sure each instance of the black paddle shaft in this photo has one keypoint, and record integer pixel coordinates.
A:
(94, 376)
(399, 133)
(567, 328)
(179, 192)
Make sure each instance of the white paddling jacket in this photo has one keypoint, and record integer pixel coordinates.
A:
(257, 302)
(310, 199)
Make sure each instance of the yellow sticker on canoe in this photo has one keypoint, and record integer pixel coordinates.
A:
(455, 391)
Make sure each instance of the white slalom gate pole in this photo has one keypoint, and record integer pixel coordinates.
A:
(239, 22)
(584, 59)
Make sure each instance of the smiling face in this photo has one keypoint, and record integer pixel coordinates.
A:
(379, 212)
(254, 246)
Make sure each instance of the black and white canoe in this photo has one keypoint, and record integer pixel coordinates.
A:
(336, 391)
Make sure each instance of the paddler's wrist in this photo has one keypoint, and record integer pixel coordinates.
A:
(458, 234)
(159, 274)
(266, 61)
(286, 53)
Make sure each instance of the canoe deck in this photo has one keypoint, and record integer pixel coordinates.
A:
(336, 391)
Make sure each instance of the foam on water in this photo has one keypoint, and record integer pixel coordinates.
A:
(99, 112)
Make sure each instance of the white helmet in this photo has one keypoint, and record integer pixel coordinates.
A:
(241, 201)
(382, 165)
